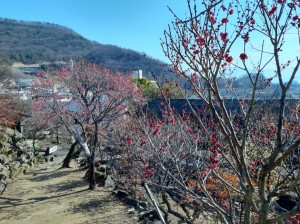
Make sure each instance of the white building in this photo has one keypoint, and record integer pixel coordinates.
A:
(137, 74)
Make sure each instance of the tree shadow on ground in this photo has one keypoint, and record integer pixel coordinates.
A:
(19, 202)
(67, 186)
(94, 205)
(45, 176)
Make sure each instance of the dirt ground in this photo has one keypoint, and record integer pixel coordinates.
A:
(46, 194)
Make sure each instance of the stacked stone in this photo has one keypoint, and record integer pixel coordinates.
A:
(15, 156)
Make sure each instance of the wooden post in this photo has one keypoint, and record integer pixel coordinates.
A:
(144, 184)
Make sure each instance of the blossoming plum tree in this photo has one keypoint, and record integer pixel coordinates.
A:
(11, 109)
(87, 100)
(233, 161)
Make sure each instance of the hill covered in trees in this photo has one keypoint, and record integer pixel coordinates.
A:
(36, 42)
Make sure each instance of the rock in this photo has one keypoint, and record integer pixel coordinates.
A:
(5, 159)
(143, 204)
(14, 135)
(2, 187)
(4, 138)
(34, 162)
(15, 155)
(31, 164)
(29, 142)
(40, 136)
(121, 193)
(100, 178)
(23, 146)
(25, 167)
(4, 170)
(23, 158)
(14, 169)
(131, 211)
(101, 168)
(2, 178)
(4, 148)
(148, 215)
(2, 159)
(109, 182)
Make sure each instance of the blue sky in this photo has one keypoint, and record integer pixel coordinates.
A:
(133, 24)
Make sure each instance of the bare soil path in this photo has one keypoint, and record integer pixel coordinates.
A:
(46, 194)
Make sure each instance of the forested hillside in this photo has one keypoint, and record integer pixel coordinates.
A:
(35, 42)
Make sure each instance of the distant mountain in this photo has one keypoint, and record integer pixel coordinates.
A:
(36, 42)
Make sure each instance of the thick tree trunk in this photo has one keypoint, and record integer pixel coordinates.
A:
(263, 217)
(247, 207)
(71, 153)
(91, 161)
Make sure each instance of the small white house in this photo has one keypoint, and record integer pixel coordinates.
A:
(137, 74)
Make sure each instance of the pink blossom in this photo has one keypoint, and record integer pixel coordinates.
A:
(243, 56)
(224, 36)
(212, 20)
(272, 11)
(156, 131)
(224, 20)
(229, 59)
(200, 40)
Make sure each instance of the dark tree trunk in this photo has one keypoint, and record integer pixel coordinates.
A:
(57, 138)
(71, 153)
(91, 161)
(33, 142)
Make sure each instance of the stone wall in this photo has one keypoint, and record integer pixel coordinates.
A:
(16, 156)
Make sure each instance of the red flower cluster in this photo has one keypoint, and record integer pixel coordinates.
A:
(246, 37)
(212, 20)
(205, 33)
(172, 120)
(200, 40)
(231, 11)
(149, 172)
(264, 142)
(156, 131)
(213, 137)
(273, 10)
(185, 43)
(294, 219)
(224, 20)
(224, 36)
(129, 140)
(243, 56)
(229, 59)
